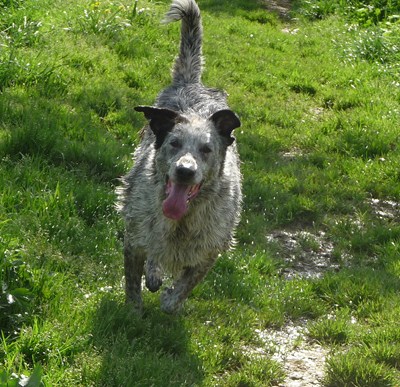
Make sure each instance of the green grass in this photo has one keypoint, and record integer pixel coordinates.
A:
(319, 101)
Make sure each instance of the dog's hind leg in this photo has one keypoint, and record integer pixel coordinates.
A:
(153, 275)
(134, 262)
(173, 298)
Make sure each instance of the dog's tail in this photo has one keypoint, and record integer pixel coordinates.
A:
(188, 65)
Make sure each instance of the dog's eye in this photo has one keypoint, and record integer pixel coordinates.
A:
(175, 143)
(205, 149)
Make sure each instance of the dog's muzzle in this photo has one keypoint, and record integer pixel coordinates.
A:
(181, 189)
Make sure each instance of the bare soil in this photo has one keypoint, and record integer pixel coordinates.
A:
(307, 254)
(388, 209)
(302, 360)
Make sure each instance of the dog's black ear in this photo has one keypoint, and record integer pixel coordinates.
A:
(161, 121)
(225, 121)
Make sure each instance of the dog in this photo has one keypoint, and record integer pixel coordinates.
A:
(181, 201)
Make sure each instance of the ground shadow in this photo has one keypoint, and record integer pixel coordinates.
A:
(233, 7)
(229, 6)
(143, 350)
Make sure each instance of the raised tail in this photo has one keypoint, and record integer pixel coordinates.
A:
(188, 65)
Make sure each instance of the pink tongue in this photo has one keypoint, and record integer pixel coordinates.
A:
(175, 205)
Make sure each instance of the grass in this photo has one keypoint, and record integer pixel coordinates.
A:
(319, 100)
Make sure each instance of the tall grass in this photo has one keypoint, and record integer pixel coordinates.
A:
(364, 12)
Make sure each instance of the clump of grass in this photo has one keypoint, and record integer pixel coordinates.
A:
(386, 352)
(349, 289)
(255, 372)
(353, 369)
(331, 330)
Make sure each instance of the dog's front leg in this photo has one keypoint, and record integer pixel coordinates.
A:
(133, 262)
(173, 298)
(153, 275)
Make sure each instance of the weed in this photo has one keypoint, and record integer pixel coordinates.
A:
(373, 45)
(105, 18)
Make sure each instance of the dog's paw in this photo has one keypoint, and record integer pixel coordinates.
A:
(153, 276)
(169, 302)
(153, 283)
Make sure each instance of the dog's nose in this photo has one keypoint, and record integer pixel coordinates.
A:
(185, 173)
(185, 168)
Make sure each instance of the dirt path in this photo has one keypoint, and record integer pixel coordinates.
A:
(308, 255)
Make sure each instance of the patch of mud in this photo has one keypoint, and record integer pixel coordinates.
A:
(302, 360)
(307, 255)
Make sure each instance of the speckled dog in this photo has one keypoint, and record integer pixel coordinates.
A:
(181, 201)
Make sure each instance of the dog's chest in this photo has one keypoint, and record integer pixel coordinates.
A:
(185, 244)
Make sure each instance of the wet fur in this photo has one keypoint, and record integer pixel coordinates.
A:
(199, 120)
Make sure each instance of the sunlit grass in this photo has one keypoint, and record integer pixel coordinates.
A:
(319, 105)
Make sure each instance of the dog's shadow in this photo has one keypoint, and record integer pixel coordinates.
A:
(147, 350)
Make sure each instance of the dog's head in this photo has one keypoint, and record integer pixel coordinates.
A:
(190, 152)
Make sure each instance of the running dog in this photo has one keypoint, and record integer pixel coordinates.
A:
(181, 201)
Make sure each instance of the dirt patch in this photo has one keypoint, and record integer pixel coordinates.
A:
(307, 255)
(281, 7)
(385, 209)
(302, 360)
